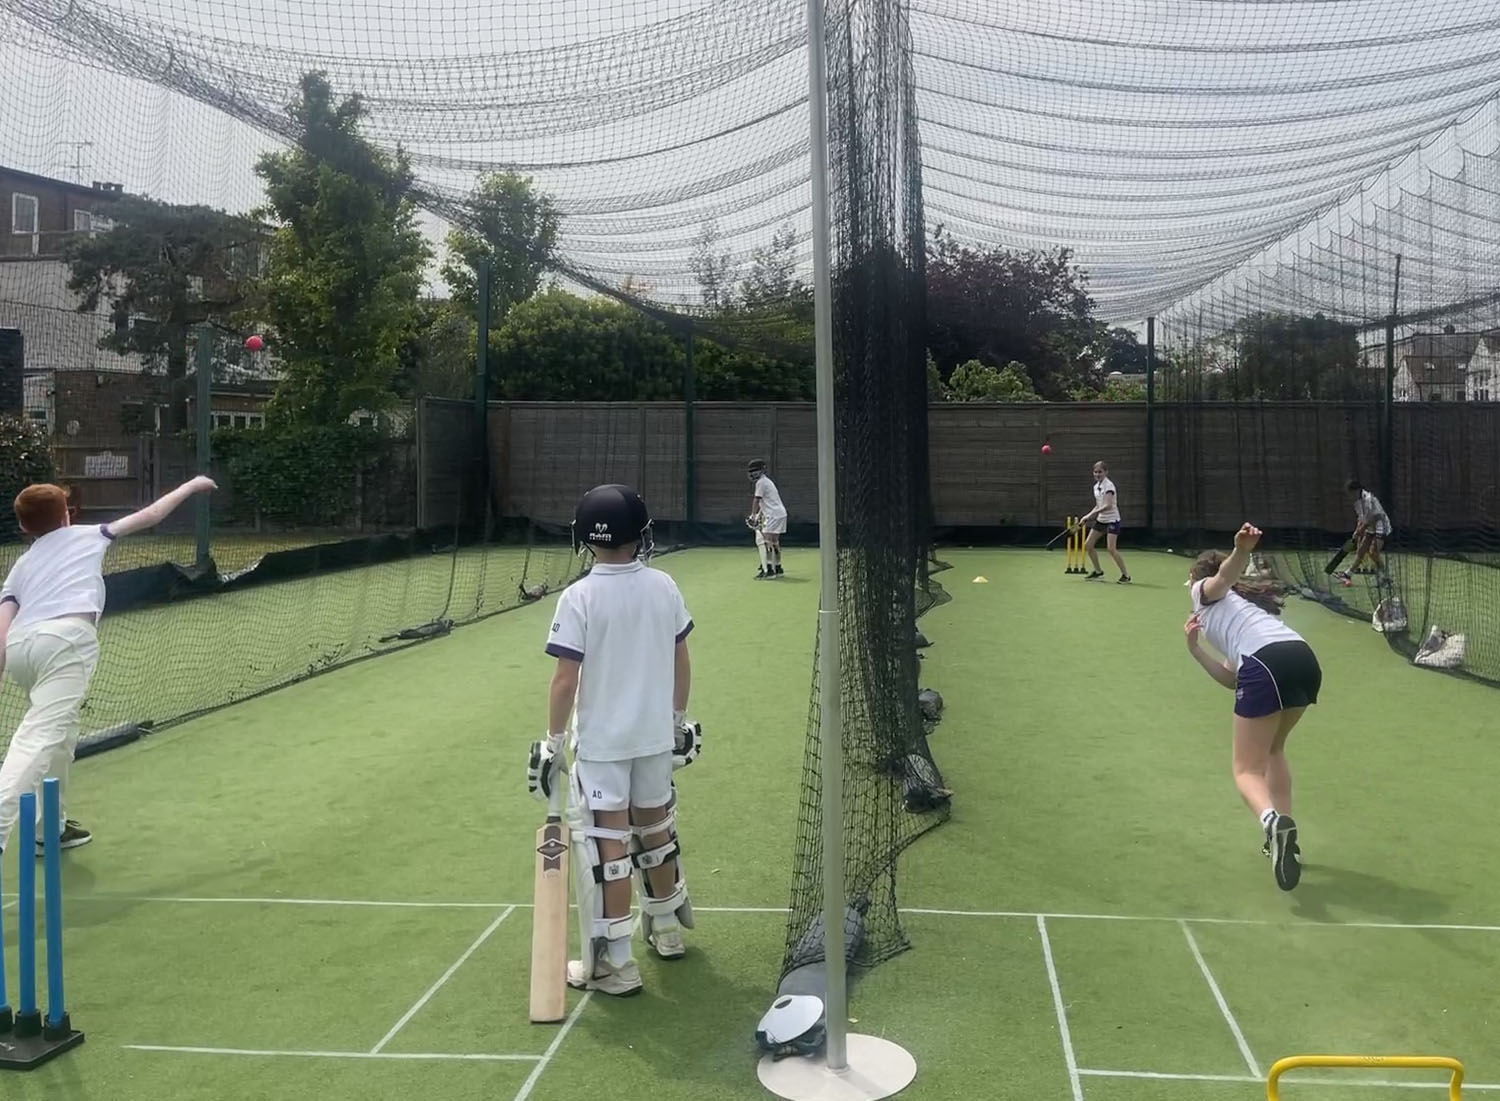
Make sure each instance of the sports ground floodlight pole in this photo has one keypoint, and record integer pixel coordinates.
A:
(855, 1067)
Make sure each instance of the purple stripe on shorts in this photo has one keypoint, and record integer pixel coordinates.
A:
(682, 634)
(1255, 692)
(564, 652)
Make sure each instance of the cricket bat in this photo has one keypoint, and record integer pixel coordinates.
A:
(1333, 563)
(549, 917)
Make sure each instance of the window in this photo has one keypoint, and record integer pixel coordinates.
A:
(239, 420)
(24, 213)
(1482, 393)
(83, 222)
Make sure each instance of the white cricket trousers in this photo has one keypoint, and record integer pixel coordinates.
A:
(52, 661)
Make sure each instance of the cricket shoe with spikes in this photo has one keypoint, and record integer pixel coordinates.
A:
(618, 982)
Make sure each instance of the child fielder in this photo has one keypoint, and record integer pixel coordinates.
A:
(768, 518)
(50, 605)
(623, 673)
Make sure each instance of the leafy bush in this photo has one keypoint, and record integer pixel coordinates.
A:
(25, 458)
(975, 381)
(299, 475)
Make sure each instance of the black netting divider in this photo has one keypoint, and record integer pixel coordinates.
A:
(282, 599)
(884, 503)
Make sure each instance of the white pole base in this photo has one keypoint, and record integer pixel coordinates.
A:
(877, 1068)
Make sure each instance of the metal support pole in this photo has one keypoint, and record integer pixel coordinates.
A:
(1388, 430)
(1150, 424)
(830, 703)
(204, 370)
(878, 1068)
(689, 443)
(481, 401)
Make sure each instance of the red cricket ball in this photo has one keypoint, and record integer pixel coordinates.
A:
(254, 343)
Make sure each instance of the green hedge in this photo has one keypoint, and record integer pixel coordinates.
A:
(302, 476)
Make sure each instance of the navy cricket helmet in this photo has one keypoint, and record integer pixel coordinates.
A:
(612, 516)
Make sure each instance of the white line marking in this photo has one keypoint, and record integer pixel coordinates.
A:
(1290, 1079)
(1024, 915)
(1169, 1077)
(429, 1055)
(1234, 1026)
(1062, 1011)
(562, 1034)
(435, 987)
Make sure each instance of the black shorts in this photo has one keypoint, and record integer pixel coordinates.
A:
(1113, 527)
(1276, 677)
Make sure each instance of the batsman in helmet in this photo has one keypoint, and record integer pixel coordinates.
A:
(623, 674)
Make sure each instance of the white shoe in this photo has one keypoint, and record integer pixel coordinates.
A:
(668, 942)
(620, 982)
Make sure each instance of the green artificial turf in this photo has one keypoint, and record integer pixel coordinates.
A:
(305, 871)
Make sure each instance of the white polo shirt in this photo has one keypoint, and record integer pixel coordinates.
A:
(1236, 628)
(1110, 514)
(61, 574)
(623, 623)
(771, 508)
(1367, 507)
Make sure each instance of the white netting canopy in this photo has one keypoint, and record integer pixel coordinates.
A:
(1194, 155)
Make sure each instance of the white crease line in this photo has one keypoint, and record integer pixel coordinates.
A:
(435, 987)
(1062, 1011)
(1234, 1026)
(1026, 915)
(410, 1055)
(562, 1034)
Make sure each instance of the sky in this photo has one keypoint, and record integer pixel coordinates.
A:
(1201, 157)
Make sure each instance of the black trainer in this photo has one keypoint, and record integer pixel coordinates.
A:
(1286, 857)
(1096, 575)
(1124, 579)
(71, 836)
(761, 574)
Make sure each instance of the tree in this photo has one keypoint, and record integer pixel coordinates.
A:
(1287, 357)
(975, 381)
(936, 390)
(24, 459)
(739, 374)
(714, 270)
(438, 360)
(773, 272)
(560, 347)
(345, 264)
(515, 225)
(163, 270)
(1124, 352)
(998, 307)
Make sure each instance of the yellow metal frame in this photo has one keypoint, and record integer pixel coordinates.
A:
(1369, 1062)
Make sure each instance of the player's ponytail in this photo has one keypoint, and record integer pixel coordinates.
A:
(1262, 594)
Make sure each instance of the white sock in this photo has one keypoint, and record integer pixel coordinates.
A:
(765, 556)
(618, 951)
(1267, 816)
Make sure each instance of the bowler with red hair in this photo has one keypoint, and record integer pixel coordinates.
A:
(50, 605)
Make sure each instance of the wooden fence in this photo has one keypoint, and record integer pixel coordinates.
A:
(1283, 463)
